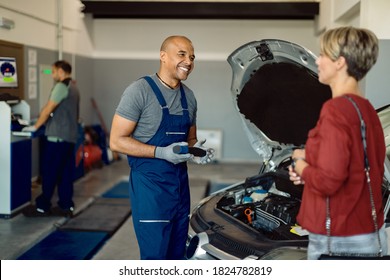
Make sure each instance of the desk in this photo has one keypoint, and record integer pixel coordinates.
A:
(15, 162)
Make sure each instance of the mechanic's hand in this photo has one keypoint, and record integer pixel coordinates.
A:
(30, 128)
(209, 153)
(167, 153)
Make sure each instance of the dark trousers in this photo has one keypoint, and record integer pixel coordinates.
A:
(58, 167)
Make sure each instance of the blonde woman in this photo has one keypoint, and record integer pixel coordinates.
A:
(332, 163)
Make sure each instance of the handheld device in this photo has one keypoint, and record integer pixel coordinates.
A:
(198, 152)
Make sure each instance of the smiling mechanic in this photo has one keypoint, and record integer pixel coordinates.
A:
(155, 114)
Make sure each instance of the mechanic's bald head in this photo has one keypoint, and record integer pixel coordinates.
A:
(173, 40)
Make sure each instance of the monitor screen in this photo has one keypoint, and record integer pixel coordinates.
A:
(8, 73)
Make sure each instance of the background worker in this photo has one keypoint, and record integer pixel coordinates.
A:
(155, 114)
(60, 116)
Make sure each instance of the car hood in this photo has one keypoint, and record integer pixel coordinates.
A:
(277, 93)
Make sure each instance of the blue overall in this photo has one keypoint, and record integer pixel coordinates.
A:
(159, 190)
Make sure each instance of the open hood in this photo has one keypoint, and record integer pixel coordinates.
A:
(277, 93)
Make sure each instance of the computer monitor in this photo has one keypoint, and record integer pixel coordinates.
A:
(8, 73)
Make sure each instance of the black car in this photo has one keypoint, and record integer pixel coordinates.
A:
(278, 96)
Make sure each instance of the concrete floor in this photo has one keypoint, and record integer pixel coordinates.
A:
(18, 234)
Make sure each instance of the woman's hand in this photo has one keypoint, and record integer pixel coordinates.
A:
(296, 168)
(298, 153)
(294, 177)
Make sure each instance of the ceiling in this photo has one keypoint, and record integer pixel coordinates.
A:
(201, 10)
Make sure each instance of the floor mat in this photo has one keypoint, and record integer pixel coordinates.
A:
(80, 237)
(61, 245)
(120, 190)
(104, 214)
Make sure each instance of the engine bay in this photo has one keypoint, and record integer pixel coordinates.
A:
(260, 205)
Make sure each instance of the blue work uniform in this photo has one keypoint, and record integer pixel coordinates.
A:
(159, 190)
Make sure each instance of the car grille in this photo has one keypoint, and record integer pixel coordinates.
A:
(232, 247)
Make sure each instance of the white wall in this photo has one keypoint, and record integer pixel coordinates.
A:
(375, 15)
(213, 39)
(371, 14)
(36, 24)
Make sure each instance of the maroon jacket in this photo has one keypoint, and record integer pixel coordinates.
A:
(334, 151)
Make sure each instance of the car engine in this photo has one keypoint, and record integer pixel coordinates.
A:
(263, 207)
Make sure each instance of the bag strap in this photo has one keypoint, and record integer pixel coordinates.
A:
(367, 171)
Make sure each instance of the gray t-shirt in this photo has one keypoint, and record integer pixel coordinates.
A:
(139, 104)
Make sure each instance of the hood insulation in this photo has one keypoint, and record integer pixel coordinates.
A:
(283, 100)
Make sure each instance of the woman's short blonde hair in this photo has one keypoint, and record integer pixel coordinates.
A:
(358, 46)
